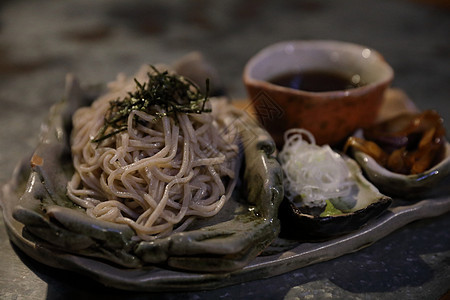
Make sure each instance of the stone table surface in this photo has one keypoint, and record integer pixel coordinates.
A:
(42, 41)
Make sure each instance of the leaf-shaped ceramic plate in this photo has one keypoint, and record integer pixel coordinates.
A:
(228, 241)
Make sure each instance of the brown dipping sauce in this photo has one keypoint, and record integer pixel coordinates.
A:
(316, 81)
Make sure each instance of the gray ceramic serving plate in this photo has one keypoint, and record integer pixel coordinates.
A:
(266, 265)
(247, 233)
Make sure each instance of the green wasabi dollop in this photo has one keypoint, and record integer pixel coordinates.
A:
(330, 210)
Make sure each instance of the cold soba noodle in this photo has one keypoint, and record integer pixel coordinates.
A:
(159, 168)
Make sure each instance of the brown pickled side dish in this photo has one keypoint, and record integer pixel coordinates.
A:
(406, 144)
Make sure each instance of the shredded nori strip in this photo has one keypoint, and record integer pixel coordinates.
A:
(172, 93)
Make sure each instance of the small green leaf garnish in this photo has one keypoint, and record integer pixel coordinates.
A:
(172, 93)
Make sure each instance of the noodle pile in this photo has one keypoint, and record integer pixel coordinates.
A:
(159, 174)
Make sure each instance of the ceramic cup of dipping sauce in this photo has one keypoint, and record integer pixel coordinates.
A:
(330, 88)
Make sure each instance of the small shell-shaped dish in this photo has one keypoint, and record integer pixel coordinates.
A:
(431, 183)
(304, 224)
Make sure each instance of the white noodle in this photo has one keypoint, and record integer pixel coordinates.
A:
(155, 177)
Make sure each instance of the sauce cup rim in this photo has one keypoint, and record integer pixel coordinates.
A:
(323, 45)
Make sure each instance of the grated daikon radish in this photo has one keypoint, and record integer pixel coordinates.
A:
(315, 173)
